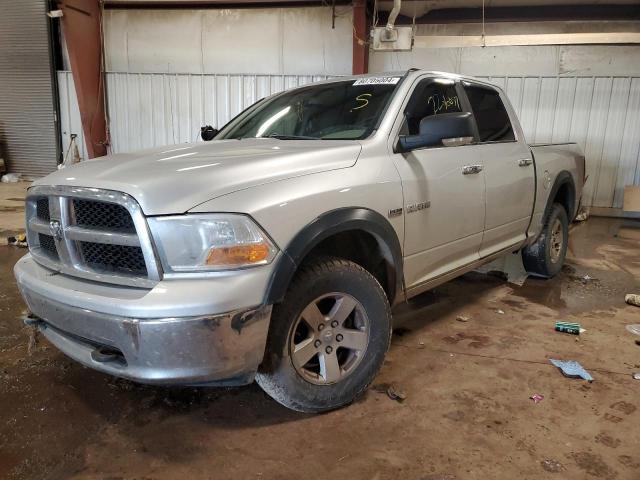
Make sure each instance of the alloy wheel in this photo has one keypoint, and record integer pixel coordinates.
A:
(329, 338)
(557, 240)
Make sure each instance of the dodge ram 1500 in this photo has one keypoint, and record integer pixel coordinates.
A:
(275, 251)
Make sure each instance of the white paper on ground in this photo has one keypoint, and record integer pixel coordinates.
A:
(511, 265)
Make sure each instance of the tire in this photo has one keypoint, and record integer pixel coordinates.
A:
(311, 316)
(545, 257)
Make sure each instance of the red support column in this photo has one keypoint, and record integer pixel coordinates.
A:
(360, 37)
(81, 25)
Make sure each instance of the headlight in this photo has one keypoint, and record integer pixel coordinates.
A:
(193, 243)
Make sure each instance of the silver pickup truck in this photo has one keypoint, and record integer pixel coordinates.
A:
(276, 251)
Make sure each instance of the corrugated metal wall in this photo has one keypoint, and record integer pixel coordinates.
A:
(602, 114)
(148, 109)
(70, 122)
(273, 40)
(28, 129)
(160, 109)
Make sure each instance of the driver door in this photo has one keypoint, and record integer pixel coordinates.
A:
(444, 203)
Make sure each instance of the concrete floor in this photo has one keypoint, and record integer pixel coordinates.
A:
(12, 209)
(467, 414)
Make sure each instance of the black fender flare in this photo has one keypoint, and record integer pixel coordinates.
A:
(563, 178)
(326, 225)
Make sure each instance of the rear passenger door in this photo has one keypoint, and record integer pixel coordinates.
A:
(508, 169)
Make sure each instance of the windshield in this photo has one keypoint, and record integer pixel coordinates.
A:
(347, 110)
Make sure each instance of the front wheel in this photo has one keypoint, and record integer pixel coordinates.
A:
(327, 339)
(545, 257)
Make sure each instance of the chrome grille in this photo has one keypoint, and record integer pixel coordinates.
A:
(42, 206)
(97, 234)
(110, 216)
(48, 245)
(115, 258)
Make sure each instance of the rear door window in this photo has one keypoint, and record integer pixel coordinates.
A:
(491, 116)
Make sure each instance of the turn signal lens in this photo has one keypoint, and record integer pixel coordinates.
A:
(239, 255)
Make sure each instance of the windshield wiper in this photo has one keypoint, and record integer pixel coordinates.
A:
(291, 137)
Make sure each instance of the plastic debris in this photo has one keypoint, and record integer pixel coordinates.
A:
(537, 398)
(632, 299)
(567, 327)
(500, 312)
(18, 240)
(582, 216)
(571, 369)
(462, 318)
(507, 267)
(636, 376)
(551, 465)
(11, 178)
(634, 328)
(396, 393)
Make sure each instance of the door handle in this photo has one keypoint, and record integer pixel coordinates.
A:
(525, 162)
(471, 169)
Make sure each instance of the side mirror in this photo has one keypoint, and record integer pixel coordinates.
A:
(448, 129)
(208, 133)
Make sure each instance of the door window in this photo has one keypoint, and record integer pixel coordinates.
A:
(430, 97)
(491, 116)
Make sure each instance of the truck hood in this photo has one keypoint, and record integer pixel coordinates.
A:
(171, 180)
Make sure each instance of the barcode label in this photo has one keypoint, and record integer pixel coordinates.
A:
(377, 81)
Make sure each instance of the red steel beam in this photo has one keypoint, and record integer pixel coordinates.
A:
(360, 38)
(81, 24)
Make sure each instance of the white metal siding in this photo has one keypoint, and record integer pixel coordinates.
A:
(161, 109)
(290, 40)
(27, 122)
(148, 110)
(602, 114)
(70, 122)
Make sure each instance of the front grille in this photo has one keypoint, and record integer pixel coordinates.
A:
(114, 258)
(99, 239)
(104, 215)
(48, 244)
(42, 209)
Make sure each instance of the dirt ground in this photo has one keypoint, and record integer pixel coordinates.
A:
(467, 412)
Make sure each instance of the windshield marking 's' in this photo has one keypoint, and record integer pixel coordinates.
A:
(360, 99)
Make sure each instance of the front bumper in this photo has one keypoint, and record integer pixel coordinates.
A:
(159, 345)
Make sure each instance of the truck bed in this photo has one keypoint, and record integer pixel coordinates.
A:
(554, 161)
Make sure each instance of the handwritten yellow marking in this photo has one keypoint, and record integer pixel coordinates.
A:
(299, 110)
(442, 102)
(360, 99)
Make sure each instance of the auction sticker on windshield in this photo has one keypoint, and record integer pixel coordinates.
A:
(377, 81)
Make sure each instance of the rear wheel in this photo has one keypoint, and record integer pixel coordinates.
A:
(545, 257)
(328, 337)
